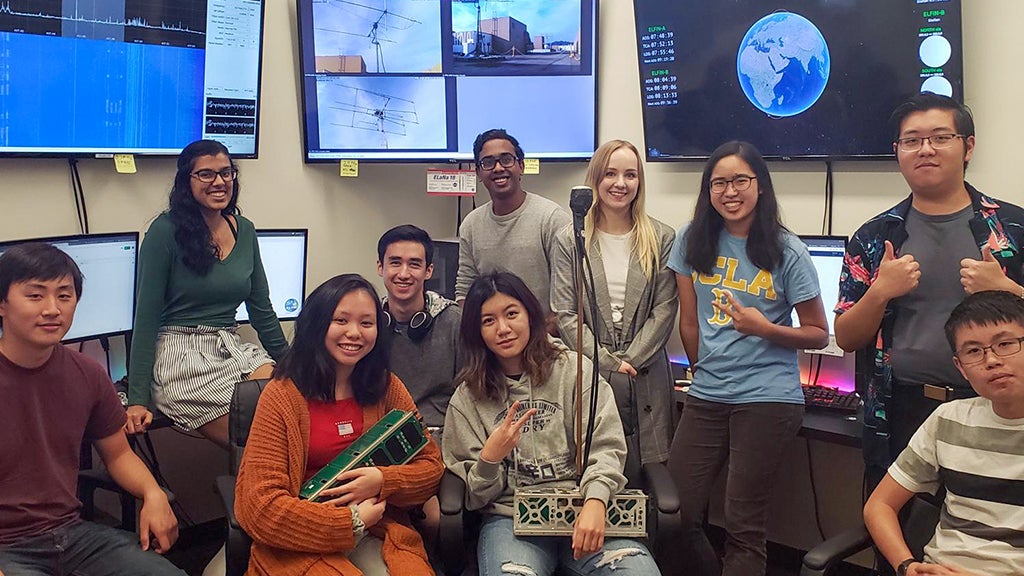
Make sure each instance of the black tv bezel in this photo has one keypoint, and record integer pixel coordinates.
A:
(110, 154)
(959, 97)
(4, 245)
(305, 264)
(441, 158)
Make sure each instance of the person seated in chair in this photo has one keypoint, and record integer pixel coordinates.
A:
(330, 387)
(510, 425)
(53, 399)
(972, 447)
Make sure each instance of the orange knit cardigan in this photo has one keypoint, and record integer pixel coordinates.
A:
(294, 536)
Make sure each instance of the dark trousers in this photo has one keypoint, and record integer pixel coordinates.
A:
(83, 549)
(907, 410)
(752, 438)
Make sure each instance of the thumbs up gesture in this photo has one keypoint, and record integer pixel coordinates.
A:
(896, 276)
(984, 274)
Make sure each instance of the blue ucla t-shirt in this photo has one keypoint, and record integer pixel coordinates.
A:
(736, 368)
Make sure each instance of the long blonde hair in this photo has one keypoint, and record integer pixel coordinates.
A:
(644, 240)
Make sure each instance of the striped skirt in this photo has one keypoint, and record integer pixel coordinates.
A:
(196, 370)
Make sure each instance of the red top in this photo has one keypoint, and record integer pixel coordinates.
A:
(333, 426)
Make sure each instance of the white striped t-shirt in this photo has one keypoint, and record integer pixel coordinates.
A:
(979, 458)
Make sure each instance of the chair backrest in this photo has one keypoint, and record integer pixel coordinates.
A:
(243, 408)
(921, 518)
(625, 400)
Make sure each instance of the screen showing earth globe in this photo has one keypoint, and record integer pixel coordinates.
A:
(798, 79)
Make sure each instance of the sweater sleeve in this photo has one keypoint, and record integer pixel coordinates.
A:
(657, 328)
(265, 506)
(156, 257)
(413, 483)
(464, 437)
(603, 476)
(467, 272)
(261, 310)
(563, 302)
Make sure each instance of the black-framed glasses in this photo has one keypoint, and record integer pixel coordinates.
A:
(208, 176)
(739, 183)
(914, 143)
(505, 159)
(976, 354)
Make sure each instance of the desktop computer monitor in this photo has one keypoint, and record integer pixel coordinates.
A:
(283, 253)
(827, 254)
(108, 264)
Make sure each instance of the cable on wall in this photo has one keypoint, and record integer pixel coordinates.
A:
(79, 193)
(826, 217)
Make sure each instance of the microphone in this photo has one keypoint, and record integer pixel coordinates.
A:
(580, 200)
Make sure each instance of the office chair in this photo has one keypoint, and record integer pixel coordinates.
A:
(918, 520)
(240, 416)
(664, 525)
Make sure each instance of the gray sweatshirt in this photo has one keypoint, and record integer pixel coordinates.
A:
(546, 454)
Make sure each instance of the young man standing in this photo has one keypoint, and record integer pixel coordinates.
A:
(52, 399)
(972, 448)
(515, 231)
(908, 267)
(425, 325)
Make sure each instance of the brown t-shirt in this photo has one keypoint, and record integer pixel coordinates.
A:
(45, 413)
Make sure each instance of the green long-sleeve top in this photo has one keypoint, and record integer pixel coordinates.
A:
(169, 294)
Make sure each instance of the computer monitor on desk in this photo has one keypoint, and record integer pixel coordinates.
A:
(827, 254)
(108, 265)
(283, 253)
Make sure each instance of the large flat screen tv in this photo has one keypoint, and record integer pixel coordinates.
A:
(128, 76)
(797, 78)
(417, 80)
(108, 264)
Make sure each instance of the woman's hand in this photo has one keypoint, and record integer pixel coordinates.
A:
(139, 419)
(357, 485)
(627, 368)
(745, 319)
(588, 533)
(371, 511)
(505, 437)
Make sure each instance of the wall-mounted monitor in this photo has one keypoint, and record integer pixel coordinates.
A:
(283, 253)
(129, 76)
(108, 264)
(417, 80)
(797, 78)
(827, 253)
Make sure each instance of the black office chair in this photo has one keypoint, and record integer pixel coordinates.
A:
(243, 408)
(664, 525)
(918, 520)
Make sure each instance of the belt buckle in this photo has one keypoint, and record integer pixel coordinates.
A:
(938, 393)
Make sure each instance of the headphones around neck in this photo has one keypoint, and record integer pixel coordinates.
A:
(419, 325)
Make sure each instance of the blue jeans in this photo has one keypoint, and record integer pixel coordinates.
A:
(83, 549)
(500, 552)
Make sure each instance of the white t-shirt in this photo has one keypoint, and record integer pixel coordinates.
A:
(615, 254)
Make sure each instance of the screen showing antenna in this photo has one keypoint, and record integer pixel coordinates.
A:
(419, 79)
(283, 253)
(107, 262)
(131, 76)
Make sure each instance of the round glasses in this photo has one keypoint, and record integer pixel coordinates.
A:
(210, 176)
(914, 143)
(739, 183)
(505, 159)
(976, 354)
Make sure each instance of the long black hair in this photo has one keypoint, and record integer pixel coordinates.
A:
(312, 368)
(764, 241)
(481, 371)
(191, 233)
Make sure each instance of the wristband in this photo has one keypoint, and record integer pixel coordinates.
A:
(358, 527)
(901, 570)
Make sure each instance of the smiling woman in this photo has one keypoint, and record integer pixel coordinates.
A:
(199, 260)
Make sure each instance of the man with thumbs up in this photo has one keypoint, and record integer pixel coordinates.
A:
(907, 268)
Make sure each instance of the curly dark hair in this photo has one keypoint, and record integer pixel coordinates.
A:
(191, 233)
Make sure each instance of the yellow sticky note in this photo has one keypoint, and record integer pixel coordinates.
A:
(531, 166)
(124, 163)
(350, 168)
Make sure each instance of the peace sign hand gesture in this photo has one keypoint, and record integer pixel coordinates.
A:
(745, 319)
(505, 437)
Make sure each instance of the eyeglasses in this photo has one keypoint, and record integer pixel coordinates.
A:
(914, 143)
(505, 159)
(976, 354)
(739, 183)
(210, 176)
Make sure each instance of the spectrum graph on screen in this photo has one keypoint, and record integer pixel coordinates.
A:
(81, 77)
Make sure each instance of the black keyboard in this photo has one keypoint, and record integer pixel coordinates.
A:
(831, 399)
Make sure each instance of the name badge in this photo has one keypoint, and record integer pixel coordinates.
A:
(345, 428)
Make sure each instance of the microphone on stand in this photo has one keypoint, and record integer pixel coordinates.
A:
(580, 200)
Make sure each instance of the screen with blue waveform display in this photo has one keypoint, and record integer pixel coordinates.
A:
(82, 77)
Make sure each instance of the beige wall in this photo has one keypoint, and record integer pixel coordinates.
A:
(346, 216)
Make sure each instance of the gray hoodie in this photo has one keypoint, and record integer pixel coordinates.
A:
(546, 454)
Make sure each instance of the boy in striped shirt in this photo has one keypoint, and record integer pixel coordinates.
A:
(973, 447)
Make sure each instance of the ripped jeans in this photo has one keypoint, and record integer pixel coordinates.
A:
(502, 553)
